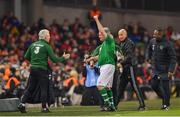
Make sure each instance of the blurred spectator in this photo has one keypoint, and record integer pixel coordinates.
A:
(58, 84)
(11, 84)
(169, 32)
(24, 75)
(70, 84)
(91, 94)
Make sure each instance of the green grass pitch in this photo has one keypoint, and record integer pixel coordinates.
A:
(126, 108)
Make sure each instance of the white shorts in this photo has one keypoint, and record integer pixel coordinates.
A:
(106, 75)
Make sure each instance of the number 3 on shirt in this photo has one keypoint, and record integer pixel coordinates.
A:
(36, 51)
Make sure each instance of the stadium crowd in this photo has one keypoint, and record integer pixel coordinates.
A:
(74, 38)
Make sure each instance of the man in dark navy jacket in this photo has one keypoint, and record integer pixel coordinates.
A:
(161, 54)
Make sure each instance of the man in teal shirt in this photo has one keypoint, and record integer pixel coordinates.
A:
(38, 54)
(106, 60)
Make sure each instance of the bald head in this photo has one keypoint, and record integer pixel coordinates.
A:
(158, 34)
(122, 34)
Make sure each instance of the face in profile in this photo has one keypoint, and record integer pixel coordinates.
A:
(101, 36)
(48, 37)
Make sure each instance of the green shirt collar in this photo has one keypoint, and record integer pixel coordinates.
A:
(43, 41)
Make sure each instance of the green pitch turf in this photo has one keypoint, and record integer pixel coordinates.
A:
(127, 108)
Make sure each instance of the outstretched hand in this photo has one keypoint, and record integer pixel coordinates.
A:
(66, 56)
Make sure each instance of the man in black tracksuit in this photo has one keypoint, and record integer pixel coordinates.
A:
(126, 75)
(161, 54)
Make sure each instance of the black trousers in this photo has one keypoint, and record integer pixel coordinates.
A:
(37, 77)
(161, 87)
(91, 96)
(120, 82)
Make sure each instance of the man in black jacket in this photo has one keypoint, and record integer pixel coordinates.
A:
(127, 61)
(161, 54)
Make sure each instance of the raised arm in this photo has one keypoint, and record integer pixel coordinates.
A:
(100, 26)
